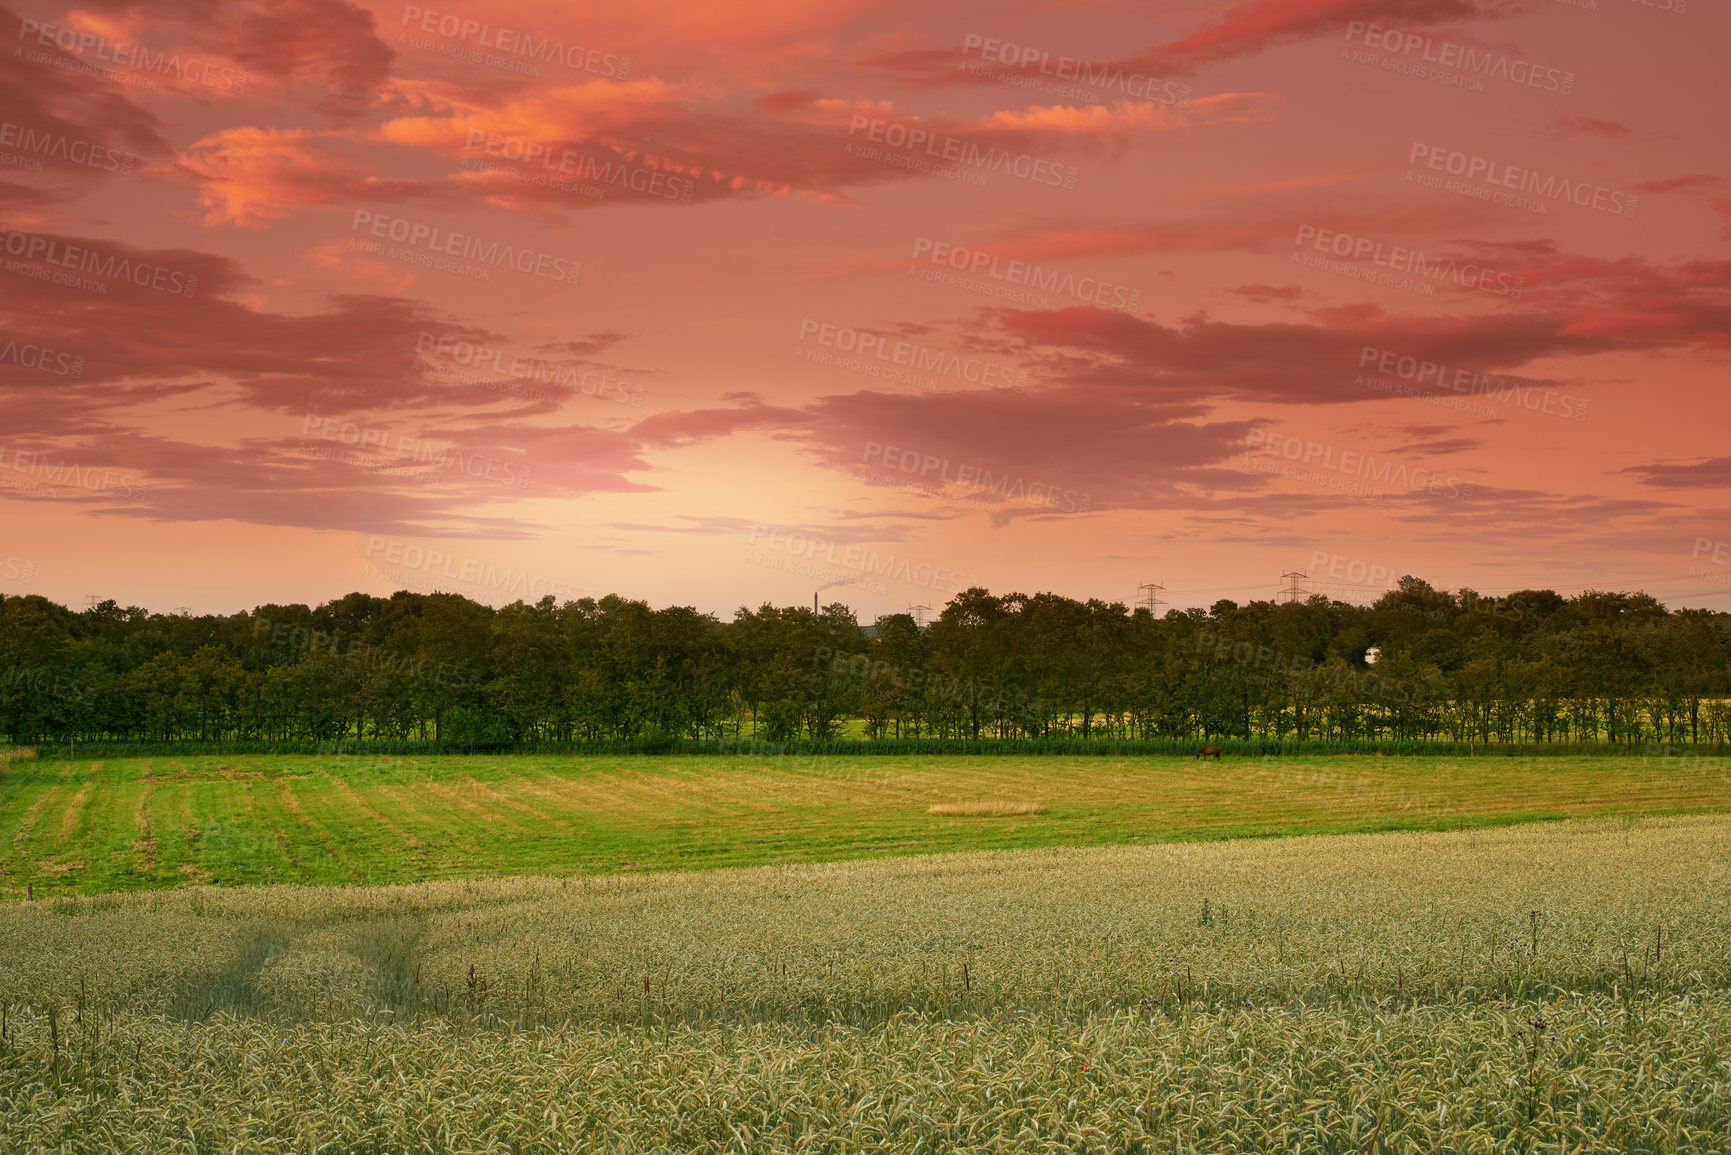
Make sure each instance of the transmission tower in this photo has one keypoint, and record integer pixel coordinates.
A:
(1150, 589)
(91, 601)
(1293, 591)
(920, 613)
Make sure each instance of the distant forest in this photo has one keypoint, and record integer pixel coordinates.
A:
(1419, 664)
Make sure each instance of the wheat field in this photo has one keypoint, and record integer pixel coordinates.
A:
(1564, 987)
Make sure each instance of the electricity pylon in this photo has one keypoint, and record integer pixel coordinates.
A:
(1152, 602)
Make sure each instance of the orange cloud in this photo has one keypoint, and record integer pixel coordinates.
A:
(253, 176)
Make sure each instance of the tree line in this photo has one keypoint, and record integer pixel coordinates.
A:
(1418, 664)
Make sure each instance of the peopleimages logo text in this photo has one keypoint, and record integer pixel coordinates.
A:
(908, 355)
(582, 168)
(1448, 54)
(515, 42)
(136, 57)
(1355, 463)
(90, 478)
(86, 259)
(59, 146)
(467, 247)
(1079, 72)
(1399, 259)
(428, 566)
(956, 150)
(922, 465)
(860, 559)
(515, 365)
(1508, 176)
(976, 262)
(26, 355)
(1499, 389)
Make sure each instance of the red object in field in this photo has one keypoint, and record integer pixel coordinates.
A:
(1209, 752)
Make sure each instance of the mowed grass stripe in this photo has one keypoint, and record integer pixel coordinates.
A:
(73, 815)
(24, 829)
(458, 840)
(283, 832)
(484, 825)
(513, 788)
(364, 805)
(574, 804)
(162, 807)
(412, 809)
(344, 844)
(369, 845)
(341, 848)
(109, 819)
(284, 787)
(215, 817)
(538, 789)
(141, 860)
(649, 798)
(186, 825)
(532, 801)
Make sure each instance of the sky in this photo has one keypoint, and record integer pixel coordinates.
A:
(719, 305)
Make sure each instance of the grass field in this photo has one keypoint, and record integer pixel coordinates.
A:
(1563, 987)
(128, 824)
